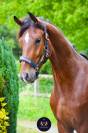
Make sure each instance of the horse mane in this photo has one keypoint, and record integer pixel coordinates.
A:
(27, 22)
(84, 56)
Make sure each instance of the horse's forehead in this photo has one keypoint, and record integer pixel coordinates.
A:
(27, 37)
(34, 32)
(31, 34)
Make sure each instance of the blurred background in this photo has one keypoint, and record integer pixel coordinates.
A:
(71, 16)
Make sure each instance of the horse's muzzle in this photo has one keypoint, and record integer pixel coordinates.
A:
(29, 77)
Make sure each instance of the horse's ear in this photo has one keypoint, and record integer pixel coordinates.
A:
(34, 18)
(18, 21)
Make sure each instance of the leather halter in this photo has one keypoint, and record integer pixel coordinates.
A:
(43, 58)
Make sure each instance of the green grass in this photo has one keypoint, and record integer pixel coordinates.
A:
(32, 108)
(45, 85)
(21, 129)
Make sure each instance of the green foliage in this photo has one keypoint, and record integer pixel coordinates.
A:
(2, 83)
(70, 16)
(46, 69)
(42, 86)
(9, 84)
(9, 35)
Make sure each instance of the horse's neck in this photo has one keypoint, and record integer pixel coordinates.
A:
(63, 57)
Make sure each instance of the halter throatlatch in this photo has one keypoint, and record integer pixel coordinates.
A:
(43, 58)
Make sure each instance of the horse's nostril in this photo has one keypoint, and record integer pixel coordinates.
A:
(26, 76)
(29, 77)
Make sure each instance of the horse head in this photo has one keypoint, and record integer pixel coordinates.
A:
(33, 40)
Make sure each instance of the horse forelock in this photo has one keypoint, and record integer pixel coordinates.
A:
(27, 22)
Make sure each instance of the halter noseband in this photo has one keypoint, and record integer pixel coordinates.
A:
(42, 59)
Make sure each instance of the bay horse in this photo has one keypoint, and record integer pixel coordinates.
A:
(40, 41)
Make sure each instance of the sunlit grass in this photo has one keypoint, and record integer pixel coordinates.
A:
(32, 108)
(21, 129)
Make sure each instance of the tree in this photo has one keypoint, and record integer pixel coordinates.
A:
(70, 16)
(9, 84)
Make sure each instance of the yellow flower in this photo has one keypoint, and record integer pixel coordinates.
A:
(2, 115)
(6, 123)
(6, 118)
(2, 99)
(3, 104)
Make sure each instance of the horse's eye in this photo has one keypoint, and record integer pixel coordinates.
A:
(37, 41)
